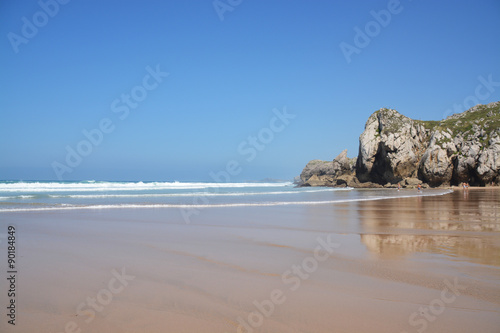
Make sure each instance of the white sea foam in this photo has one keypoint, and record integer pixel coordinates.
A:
(191, 194)
(194, 206)
(18, 197)
(123, 186)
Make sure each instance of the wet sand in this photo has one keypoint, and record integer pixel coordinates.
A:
(425, 264)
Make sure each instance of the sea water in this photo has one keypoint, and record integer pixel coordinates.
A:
(49, 195)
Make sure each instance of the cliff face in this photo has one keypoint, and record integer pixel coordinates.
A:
(390, 147)
(464, 148)
(393, 148)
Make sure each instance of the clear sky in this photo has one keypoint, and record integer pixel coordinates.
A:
(322, 66)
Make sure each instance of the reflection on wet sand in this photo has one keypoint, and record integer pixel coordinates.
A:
(465, 226)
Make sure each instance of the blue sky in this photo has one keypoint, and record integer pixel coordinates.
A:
(225, 78)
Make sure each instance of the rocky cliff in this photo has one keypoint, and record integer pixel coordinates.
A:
(393, 148)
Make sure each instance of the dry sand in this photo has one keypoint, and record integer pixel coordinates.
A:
(427, 264)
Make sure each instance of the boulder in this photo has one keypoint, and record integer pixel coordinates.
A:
(411, 182)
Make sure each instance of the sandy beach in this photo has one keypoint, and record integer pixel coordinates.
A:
(419, 264)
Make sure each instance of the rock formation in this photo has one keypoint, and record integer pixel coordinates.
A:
(390, 147)
(327, 173)
(393, 148)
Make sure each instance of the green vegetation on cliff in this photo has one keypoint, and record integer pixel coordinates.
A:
(486, 117)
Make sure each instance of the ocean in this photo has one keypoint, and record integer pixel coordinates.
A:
(49, 195)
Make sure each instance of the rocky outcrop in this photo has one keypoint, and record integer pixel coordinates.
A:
(464, 148)
(327, 173)
(395, 149)
(390, 147)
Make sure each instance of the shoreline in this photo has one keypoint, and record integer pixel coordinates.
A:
(456, 187)
(406, 187)
(187, 207)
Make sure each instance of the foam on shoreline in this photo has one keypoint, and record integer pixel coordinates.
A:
(203, 206)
